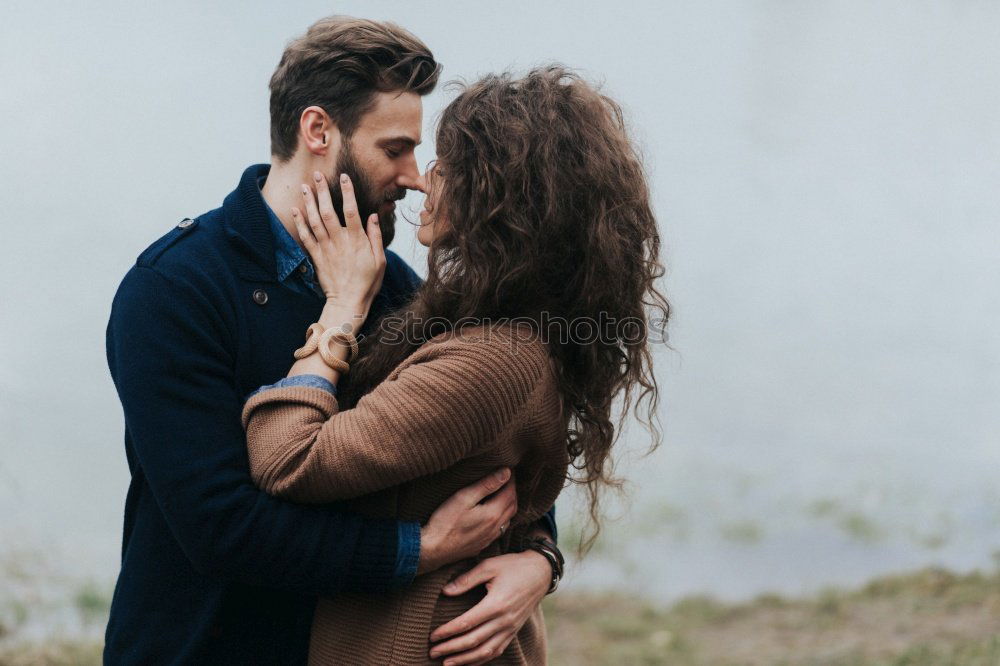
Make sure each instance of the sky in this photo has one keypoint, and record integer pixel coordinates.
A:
(825, 177)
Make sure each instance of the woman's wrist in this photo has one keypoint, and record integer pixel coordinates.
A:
(346, 317)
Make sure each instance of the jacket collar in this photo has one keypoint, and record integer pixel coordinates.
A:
(248, 227)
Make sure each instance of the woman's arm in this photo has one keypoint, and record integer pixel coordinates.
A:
(349, 261)
(453, 399)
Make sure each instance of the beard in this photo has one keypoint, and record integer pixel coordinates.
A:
(369, 201)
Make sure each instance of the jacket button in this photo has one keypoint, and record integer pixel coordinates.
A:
(259, 296)
(185, 223)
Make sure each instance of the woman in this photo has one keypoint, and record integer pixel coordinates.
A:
(532, 322)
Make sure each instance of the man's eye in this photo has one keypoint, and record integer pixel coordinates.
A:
(393, 154)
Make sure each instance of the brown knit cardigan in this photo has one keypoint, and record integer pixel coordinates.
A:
(460, 406)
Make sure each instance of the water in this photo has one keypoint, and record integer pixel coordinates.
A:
(826, 179)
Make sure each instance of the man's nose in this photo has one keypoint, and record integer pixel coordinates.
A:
(422, 183)
(409, 177)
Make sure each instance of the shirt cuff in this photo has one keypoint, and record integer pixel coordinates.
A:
(407, 553)
(314, 381)
(548, 521)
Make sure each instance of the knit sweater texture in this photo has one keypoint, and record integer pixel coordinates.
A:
(214, 571)
(462, 405)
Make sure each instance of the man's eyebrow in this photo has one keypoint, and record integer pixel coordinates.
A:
(405, 140)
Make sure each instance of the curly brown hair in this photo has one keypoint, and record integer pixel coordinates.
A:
(548, 217)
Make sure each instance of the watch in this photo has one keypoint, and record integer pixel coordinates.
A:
(548, 549)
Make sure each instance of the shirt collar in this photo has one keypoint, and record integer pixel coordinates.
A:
(287, 254)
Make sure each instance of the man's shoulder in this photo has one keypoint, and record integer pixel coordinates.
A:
(190, 243)
(191, 261)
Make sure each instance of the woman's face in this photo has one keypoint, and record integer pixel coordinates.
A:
(431, 223)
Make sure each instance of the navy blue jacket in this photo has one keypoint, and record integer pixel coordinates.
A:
(213, 570)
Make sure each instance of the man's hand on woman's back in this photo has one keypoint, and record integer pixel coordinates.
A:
(468, 521)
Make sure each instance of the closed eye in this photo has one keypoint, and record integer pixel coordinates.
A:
(397, 146)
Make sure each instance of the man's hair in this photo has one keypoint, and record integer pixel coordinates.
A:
(339, 65)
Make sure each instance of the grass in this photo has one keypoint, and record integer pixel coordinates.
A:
(860, 526)
(54, 653)
(926, 618)
(92, 602)
(746, 532)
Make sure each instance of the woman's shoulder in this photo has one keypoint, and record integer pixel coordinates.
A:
(514, 345)
(508, 336)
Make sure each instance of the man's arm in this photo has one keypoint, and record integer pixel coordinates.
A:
(173, 370)
(174, 374)
(547, 525)
(515, 584)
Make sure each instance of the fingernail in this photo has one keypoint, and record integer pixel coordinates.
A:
(435, 655)
(502, 475)
(343, 178)
(317, 176)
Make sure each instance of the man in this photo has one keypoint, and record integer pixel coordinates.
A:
(213, 570)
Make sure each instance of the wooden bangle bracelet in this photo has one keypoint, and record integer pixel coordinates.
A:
(347, 339)
(327, 354)
(313, 334)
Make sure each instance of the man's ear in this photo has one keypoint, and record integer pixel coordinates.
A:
(317, 132)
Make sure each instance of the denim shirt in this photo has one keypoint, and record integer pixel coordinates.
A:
(296, 271)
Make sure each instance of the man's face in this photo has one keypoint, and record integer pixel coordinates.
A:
(379, 158)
